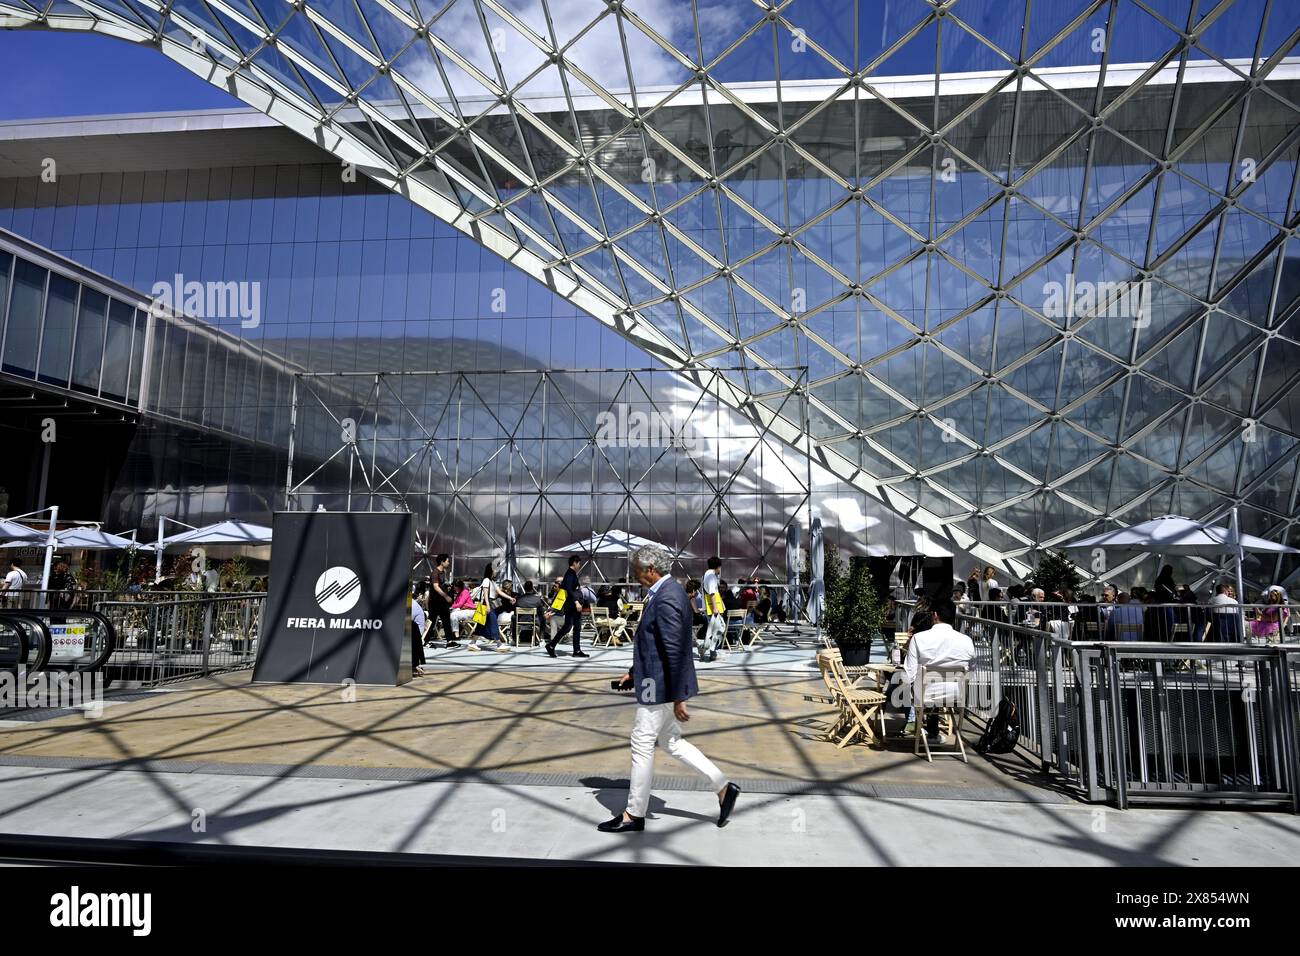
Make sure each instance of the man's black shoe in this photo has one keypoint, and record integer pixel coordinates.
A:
(453, 643)
(619, 825)
(728, 802)
(579, 654)
(550, 648)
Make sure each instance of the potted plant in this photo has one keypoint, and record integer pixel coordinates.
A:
(854, 613)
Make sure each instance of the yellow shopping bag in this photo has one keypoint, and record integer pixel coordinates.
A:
(480, 614)
(560, 597)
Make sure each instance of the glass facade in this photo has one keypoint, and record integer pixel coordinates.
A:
(357, 280)
(1038, 262)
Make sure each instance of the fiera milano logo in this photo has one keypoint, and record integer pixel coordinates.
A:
(337, 591)
(77, 909)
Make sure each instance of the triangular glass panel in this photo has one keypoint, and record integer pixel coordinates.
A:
(1207, 427)
(1049, 21)
(1148, 400)
(1242, 237)
(972, 337)
(1101, 413)
(1116, 168)
(698, 218)
(1189, 267)
(758, 181)
(720, 25)
(881, 333)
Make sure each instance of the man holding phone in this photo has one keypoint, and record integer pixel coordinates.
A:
(663, 677)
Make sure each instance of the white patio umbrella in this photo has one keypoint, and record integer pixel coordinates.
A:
(17, 535)
(793, 594)
(23, 535)
(1174, 534)
(817, 573)
(95, 539)
(615, 542)
(222, 532)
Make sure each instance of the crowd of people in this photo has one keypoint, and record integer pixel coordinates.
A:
(441, 604)
(1166, 611)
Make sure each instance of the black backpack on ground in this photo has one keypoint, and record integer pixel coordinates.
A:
(1002, 732)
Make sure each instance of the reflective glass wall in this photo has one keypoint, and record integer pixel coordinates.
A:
(317, 274)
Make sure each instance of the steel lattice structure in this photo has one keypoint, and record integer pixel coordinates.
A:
(472, 453)
(879, 192)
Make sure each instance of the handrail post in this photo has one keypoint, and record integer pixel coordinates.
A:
(1287, 722)
(1044, 703)
(1110, 665)
(208, 605)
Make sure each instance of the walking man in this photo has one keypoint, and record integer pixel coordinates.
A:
(439, 600)
(663, 678)
(572, 617)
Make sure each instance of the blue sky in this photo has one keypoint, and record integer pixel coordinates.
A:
(71, 74)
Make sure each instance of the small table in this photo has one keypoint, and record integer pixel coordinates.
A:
(881, 671)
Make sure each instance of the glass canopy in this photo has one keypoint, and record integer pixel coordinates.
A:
(1037, 257)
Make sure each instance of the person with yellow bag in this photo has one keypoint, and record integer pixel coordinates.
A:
(566, 602)
(715, 610)
(486, 599)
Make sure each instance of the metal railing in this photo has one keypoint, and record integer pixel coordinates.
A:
(191, 636)
(87, 598)
(1159, 622)
(1126, 721)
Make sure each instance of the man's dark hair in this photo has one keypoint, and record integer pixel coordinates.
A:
(441, 558)
(945, 610)
(17, 562)
(528, 587)
(715, 563)
(420, 588)
(577, 559)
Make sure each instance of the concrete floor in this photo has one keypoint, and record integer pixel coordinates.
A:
(526, 762)
(559, 822)
(559, 721)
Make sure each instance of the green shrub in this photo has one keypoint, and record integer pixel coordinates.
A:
(854, 612)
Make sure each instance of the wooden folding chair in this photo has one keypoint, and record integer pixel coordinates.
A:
(859, 706)
(952, 708)
(832, 695)
(901, 640)
(755, 631)
(524, 623)
(599, 618)
(632, 612)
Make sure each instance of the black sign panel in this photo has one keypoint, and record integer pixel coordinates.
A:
(338, 605)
